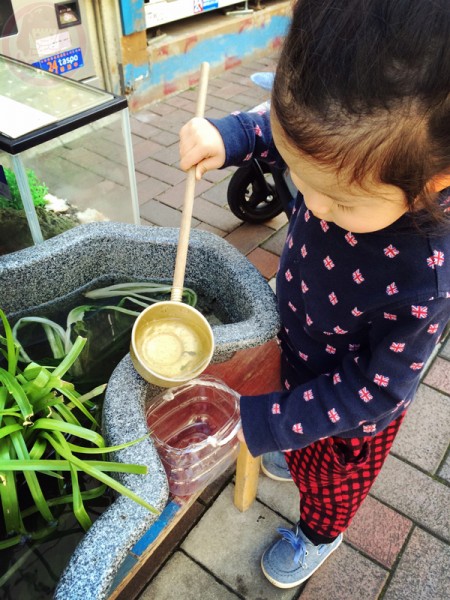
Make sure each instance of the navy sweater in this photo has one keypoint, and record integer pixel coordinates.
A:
(360, 313)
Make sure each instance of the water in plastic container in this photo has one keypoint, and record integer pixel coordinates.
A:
(194, 428)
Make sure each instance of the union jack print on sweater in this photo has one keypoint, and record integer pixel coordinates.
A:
(360, 313)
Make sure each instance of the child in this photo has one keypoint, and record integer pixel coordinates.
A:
(360, 113)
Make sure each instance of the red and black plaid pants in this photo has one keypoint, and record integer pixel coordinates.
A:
(334, 475)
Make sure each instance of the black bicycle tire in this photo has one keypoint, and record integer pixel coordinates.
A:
(238, 185)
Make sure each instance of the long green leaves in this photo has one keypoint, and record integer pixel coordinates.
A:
(140, 295)
(47, 429)
(12, 349)
(142, 291)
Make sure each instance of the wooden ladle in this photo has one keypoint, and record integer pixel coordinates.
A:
(172, 342)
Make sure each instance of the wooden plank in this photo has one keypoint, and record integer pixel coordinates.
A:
(252, 371)
(247, 473)
(122, 591)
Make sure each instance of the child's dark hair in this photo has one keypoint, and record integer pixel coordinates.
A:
(364, 85)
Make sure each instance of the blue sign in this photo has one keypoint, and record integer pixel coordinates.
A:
(202, 5)
(210, 4)
(61, 63)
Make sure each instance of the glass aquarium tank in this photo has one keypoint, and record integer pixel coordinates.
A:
(66, 156)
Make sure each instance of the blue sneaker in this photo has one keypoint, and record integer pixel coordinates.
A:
(273, 464)
(292, 559)
(263, 79)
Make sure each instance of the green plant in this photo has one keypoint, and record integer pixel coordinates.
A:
(42, 435)
(38, 190)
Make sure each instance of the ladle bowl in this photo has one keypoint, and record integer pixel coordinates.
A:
(171, 343)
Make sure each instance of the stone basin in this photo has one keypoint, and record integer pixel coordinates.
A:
(85, 257)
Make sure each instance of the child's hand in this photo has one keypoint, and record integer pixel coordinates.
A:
(201, 145)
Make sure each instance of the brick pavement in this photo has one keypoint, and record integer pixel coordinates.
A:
(399, 543)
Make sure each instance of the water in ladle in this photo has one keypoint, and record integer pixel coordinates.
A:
(173, 347)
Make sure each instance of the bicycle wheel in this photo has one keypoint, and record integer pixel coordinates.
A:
(252, 195)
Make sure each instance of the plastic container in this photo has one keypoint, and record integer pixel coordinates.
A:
(194, 428)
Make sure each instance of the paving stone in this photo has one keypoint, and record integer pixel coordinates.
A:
(249, 101)
(160, 171)
(78, 156)
(415, 494)
(228, 91)
(215, 113)
(146, 222)
(345, 575)
(140, 177)
(183, 578)
(145, 116)
(165, 138)
(179, 117)
(210, 228)
(144, 149)
(174, 195)
(214, 215)
(218, 193)
(233, 76)
(190, 94)
(168, 125)
(265, 262)
(63, 187)
(424, 435)
(214, 85)
(105, 148)
(444, 471)
(283, 498)
(163, 108)
(111, 200)
(162, 215)
(169, 155)
(267, 63)
(378, 531)
(248, 237)
(149, 188)
(217, 175)
(439, 375)
(181, 102)
(143, 130)
(116, 173)
(445, 350)
(277, 222)
(244, 69)
(423, 572)
(210, 493)
(229, 543)
(227, 105)
(113, 135)
(275, 243)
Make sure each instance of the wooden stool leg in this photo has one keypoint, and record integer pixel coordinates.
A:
(247, 472)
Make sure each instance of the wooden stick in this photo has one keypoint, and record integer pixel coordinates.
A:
(188, 203)
(247, 473)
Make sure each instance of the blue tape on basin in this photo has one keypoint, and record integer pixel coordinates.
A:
(151, 534)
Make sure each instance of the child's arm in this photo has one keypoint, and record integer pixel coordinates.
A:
(361, 396)
(233, 140)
